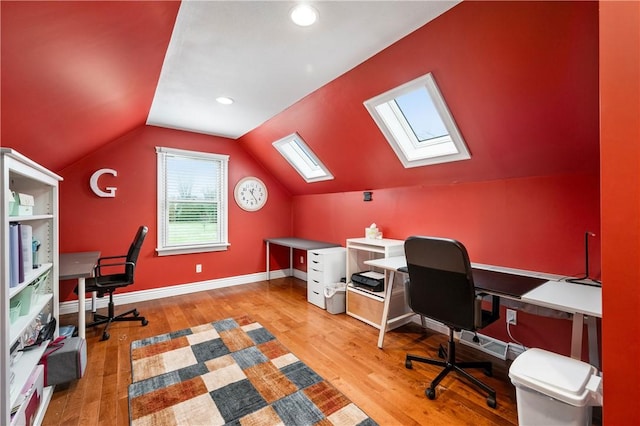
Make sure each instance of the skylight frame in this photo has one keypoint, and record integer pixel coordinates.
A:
(298, 154)
(400, 135)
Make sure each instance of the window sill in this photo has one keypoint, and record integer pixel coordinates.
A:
(191, 249)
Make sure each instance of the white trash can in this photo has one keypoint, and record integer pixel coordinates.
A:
(335, 298)
(553, 389)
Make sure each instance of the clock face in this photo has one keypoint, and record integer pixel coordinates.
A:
(250, 193)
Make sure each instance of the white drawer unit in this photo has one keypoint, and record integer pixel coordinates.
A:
(324, 266)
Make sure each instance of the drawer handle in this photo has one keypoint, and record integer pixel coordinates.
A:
(316, 281)
(315, 292)
(314, 261)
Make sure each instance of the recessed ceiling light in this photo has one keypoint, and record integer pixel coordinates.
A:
(224, 100)
(303, 15)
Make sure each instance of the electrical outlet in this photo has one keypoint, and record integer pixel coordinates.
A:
(511, 317)
(198, 268)
(301, 259)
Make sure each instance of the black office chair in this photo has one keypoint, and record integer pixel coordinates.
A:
(441, 287)
(111, 274)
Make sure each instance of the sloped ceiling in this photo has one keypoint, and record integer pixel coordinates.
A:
(76, 75)
(252, 52)
(520, 78)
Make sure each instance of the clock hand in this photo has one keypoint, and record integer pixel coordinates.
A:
(254, 197)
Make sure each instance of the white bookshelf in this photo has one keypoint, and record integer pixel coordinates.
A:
(20, 174)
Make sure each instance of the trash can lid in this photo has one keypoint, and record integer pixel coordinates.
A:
(554, 375)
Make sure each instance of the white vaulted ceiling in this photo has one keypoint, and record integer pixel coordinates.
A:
(251, 51)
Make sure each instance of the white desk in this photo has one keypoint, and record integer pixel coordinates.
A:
(577, 299)
(580, 300)
(294, 243)
(79, 266)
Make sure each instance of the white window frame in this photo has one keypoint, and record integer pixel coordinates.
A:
(163, 249)
(298, 154)
(395, 128)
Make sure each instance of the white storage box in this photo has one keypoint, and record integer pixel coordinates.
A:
(29, 399)
(553, 389)
(23, 205)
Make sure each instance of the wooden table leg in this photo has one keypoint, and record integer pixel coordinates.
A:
(576, 336)
(389, 278)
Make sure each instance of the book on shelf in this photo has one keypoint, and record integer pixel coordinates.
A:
(26, 235)
(20, 252)
(14, 255)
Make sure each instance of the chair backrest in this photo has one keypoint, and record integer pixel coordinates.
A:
(440, 281)
(134, 251)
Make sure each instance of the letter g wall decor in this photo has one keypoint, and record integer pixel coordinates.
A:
(110, 190)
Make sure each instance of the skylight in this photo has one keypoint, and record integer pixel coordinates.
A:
(416, 122)
(297, 153)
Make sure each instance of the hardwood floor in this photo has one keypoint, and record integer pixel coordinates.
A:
(340, 348)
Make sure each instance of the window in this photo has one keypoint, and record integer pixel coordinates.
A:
(297, 153)
(416, 122)
(192, 201)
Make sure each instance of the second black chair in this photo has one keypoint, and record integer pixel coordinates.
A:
(111, 273)
(441, 288)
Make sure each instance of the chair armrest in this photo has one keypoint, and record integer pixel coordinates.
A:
(97, 269)
(121, 256)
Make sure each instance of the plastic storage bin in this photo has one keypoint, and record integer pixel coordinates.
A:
(14, 310)
(335, 298)
(553, 389)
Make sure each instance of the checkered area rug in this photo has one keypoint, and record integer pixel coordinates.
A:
(232, 371)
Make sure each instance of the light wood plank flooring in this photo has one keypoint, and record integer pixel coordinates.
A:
(340, 348)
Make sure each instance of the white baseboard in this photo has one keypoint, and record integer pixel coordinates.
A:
(513, 349)
(432, 325)
(175, 290)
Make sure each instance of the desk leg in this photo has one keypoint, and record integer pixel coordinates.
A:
(290, 261)
(576, 336)
(81, 319)
(592, 330)
(389, 278)
(268, 273)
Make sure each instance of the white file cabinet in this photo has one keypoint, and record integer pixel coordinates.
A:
(324, 266)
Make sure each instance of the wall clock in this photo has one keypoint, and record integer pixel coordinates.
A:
(250, 193)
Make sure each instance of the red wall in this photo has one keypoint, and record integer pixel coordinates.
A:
(520, 78)
(88, 222)
(533, 223)
(620, 169)
(78, 74)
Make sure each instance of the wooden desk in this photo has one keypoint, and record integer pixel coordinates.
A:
(295, 243)
(79, 266)
(577, 299)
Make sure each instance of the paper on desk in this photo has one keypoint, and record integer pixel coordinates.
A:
(372, 274)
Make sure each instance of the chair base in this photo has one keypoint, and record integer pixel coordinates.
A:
(449, 365)
(130, 315)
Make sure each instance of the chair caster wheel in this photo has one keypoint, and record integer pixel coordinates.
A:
(488, 372)
(136, 313)
(491, 401)
(430, 393)
(441, 353)
(145, 322)
(408, 364)
(105, 336)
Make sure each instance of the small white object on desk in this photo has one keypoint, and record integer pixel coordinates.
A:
(372, 232)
